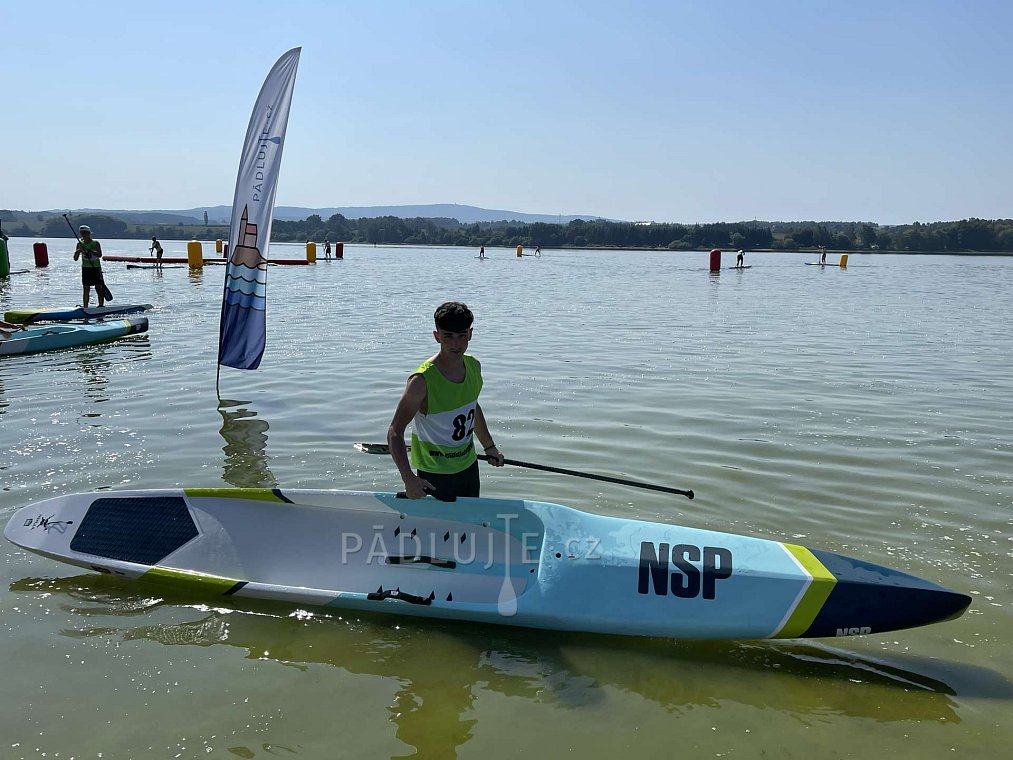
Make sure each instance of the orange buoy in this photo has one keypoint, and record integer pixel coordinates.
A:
(194, 254)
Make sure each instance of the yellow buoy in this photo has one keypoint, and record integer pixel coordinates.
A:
(844, 260)
(218, 245)
(520, 249)
(311, 252)
(194, 254)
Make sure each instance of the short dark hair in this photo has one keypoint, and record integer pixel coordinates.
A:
(453, 316)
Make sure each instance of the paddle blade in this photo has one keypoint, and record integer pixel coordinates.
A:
(373, 448)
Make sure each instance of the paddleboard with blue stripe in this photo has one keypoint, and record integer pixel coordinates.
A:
(51, 337)
(70, 313)
(521, 563)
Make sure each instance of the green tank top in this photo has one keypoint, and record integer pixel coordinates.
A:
(87, 260)
(442, 438)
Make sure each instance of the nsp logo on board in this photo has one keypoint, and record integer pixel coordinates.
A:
(687, 581)
(855, 631)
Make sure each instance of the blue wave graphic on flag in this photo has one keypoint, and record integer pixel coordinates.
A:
(245, 300)
(247, 286)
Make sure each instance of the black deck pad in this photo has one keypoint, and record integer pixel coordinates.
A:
(142, 530)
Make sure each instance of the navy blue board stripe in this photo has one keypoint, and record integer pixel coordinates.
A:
(239, 585)
(136, 529)
(869, 598)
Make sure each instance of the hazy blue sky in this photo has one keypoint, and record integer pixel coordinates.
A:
(717, 110)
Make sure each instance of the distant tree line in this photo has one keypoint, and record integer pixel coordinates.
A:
(106, 226)
(992, 235)
(576, 234)
(965, 235)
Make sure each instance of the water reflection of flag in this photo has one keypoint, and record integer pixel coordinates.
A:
(246, 457)
(243, 330)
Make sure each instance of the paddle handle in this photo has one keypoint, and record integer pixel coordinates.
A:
(71, 228)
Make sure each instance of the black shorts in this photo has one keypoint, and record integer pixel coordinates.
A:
(448, 487)
(90, 276)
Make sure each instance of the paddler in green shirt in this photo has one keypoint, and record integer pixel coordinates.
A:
(156, 248)
(90, 253)
(441, 400)
(5, 260)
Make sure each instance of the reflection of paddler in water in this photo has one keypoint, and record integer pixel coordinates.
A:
(245, 447)
(443, 669)
(95, 369)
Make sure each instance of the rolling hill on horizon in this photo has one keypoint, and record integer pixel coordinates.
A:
(222, 214)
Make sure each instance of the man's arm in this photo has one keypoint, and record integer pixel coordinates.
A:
(411, 402)
(485, 438)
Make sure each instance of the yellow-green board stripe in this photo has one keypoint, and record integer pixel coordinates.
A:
(808, 607)
(211, 584)
(261, 494)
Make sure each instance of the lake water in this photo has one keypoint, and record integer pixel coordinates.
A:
(866, 411)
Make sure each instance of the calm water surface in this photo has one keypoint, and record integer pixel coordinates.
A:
(866, 411)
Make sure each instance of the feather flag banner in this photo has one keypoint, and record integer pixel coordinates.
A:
(243, 329)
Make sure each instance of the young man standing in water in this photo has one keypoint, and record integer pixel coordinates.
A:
(90, 252)
(441, 400)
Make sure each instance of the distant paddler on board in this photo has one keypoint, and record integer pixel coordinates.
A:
(5, 261)
(156, 248)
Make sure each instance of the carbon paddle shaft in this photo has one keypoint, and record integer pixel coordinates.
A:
(593, 476)
(383, 448)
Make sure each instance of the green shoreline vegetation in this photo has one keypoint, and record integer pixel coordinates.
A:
(964, 236)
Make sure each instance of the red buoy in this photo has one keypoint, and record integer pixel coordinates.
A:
(41, 254)
(715, 259)
(339, 250)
